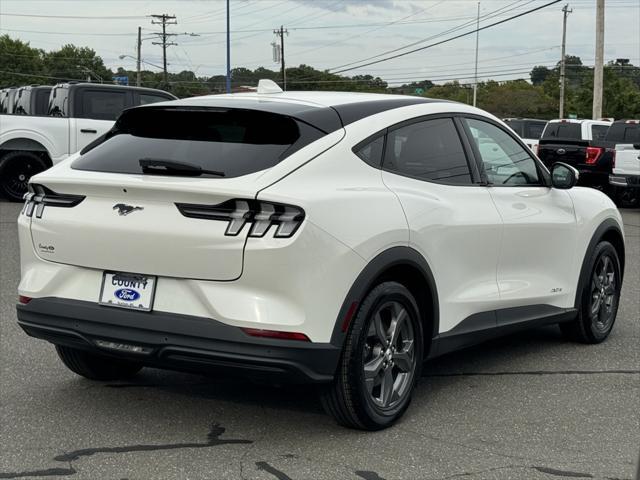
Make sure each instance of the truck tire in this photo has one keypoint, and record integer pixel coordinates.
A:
(16, 168)
(627, 197)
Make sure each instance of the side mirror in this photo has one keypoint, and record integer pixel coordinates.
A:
(563, 176)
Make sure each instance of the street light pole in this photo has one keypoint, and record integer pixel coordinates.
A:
(228, 50)
(475, 83)
(138, 60)
(598, 71)
(566, 12)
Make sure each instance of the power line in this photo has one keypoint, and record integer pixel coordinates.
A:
(74, 17)
(492, 14)
(452, 38)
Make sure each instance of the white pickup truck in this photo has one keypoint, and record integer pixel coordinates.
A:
(78, 113)
(626, 174)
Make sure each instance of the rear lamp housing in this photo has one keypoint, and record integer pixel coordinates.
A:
(260, 215)
(38, 197)
(593, 154)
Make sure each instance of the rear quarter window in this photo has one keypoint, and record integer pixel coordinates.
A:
(234, 141)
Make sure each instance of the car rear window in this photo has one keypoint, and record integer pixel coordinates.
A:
(598, 132)
(535, 129)
(233, 141)
(566, 130)
(517, 126)
(622, 132)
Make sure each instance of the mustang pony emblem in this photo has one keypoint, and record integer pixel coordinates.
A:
(124, 209)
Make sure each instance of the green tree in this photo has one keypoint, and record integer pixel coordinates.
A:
(539, 74)
(76, 63)
(20, 64)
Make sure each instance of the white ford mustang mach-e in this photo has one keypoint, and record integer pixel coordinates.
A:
(333, 238)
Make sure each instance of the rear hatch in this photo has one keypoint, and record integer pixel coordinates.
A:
(562, 142)
(142, 204)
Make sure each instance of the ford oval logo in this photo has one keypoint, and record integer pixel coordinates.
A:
(561, 151)
(126, 294)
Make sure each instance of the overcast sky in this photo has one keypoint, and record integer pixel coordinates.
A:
(329, 33)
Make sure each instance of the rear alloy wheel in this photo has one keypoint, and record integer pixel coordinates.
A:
(96, 367)
(599, 299)
(381, 361)
(16, 168)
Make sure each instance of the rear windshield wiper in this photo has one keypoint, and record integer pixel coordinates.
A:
(158, 165)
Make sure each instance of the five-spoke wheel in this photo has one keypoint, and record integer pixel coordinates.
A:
(381, 360)
(599, 298)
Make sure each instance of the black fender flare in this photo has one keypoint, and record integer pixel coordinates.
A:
(366, 280)
(606, 226)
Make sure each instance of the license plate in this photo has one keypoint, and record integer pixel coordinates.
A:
(128, 290)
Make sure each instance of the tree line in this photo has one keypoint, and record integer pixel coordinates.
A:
(537, 97)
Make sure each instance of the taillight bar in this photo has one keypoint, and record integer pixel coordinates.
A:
(259, 214)
(40, 196)
(593, 154)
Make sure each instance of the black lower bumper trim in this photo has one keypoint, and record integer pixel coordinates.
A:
(176, 342)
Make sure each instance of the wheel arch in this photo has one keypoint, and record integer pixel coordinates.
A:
(403, 265)
(26, 145)
(609, 231)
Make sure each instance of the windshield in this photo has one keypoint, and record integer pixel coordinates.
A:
(232, 141)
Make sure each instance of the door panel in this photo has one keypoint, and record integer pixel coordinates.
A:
(452, 221)
(537, 250)
(457, 229)
(85, 130)
(539, 226)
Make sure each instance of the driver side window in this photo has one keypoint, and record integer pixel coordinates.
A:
(505, 161)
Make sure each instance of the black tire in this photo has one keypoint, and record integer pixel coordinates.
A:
(96, 367)
(599, 298)
(627, 197)
(16, 168)
(357, 403)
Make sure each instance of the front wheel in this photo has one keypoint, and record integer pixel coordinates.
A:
(599, 298)
(381, 361)
(96, 367)
(16, 168)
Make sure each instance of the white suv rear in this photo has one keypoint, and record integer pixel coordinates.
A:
(333, 238)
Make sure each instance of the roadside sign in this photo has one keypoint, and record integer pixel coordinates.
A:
(121, 80)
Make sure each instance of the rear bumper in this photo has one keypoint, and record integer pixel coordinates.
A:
(177, 342)
(629, 181)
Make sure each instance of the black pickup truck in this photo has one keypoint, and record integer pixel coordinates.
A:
(582, 144)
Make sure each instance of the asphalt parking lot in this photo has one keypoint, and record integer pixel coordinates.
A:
(530, 406)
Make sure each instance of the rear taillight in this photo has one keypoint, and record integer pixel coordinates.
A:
(23, 299)
(613, 158)
(258, 214)
(40, 196)
(593, 154)
(257, 332)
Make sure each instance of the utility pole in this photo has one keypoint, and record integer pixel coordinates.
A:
(138, 59)
(566, 12)
(228, 50)
(164, 20)
(598, 71)
(475, 84)
(281, 32)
